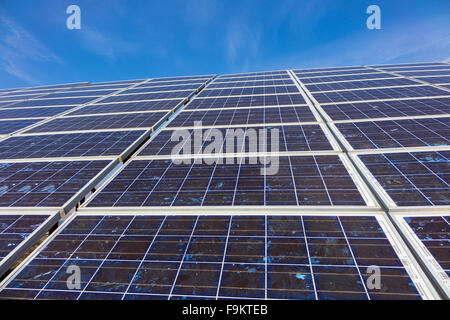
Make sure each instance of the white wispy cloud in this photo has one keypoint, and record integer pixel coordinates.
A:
(18, 48)
(242, 43)
(104, 45)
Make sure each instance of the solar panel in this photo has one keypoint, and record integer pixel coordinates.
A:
(418, 68)
(435, 80)
(368, 76)
(18, 232)
(250, 74)
(291, 138)
(360, 84)
(321, 180)
(387, 109)
(147, 96)
(248, 91)
(427, 132)
(17, 97)
(253, 77)
(216, 257)
(161, 89)
(10, 126)
(231, 226)
(255, 83)
(16, 228)
(424, 73)
(31, 112)
(115, 121)
(102, 108)
(244, 116)
(44, 184)
(412, 179)
(68, 145)
(51, 102)
(333, 73)
(433, 232)
(160, 83)
(379, 94)
(89, 93)
(247, 101)
(405, 65)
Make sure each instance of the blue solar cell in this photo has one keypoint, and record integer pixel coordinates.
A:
(427, 132)
(360, 84)
(299, 180)
(157, 257)
(290, 138)
(247, 101)
(379, 94)
(32, 112)
(243, 116)
(68, 145)
(127, 107)
(368, 76)
(10, 126)
(387, 109)
(51, 102)
(412, 179)
(14, 229)
(44, 184)
(434, 234)
(117, 121)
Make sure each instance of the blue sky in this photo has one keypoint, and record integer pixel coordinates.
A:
(140, 39)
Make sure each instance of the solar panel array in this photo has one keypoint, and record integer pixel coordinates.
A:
(284, 185)
(215, 257)
(57, 146)
(392, 121)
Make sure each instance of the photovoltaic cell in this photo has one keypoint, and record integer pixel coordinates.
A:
(329, 69)
(299, 180)
(10, 126)
(161, 89)
(289, 138)
(353, 77)
(87, 93)
(434, 234)
(418, 68)
(435, 80)
(185, 78)
(14, 98)
(170, 83)
(333, 73)
(216, 257)
(360, 84)
(68, 145)
(387, 109)
(405, 65)
(247, 101)
(424, 73)
(263, 73)
(247, 91)
(253, 78)
(44, 184)
(281, 82)
(117, 121)
(427, 132)
(244, 116)
(14, 229)
(379, 94)
(32, 112)
(147, 96)
(127, 107)
(51, 102)
(412, 179)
